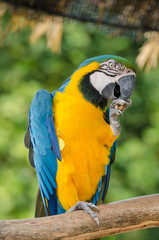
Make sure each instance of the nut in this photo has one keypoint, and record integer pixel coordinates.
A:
(120, 107)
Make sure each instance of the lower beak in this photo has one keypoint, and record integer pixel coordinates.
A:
(124, 87)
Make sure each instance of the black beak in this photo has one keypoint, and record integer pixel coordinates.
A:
(124, 87)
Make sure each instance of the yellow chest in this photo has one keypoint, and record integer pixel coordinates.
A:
(86, 142)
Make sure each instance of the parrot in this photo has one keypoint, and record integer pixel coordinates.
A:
(72, 135)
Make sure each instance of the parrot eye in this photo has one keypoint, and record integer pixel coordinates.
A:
(111, 65)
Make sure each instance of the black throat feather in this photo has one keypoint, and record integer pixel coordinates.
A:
(91, 94)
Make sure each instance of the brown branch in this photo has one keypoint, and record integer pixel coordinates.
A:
(114, 218)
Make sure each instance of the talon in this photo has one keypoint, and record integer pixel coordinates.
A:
(97, 221)
(129, 101)
(91, 205)
(87, 207)
(121, 113)
(120, 104)
(115, 112)
(117, 108)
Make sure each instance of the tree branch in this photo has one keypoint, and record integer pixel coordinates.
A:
(114, 218)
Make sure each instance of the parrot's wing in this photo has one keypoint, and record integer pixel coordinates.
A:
(44, 152)
(106, 178)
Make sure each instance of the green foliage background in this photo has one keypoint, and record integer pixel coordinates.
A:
(25, 68)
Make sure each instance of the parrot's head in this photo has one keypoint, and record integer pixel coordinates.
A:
(105, 78)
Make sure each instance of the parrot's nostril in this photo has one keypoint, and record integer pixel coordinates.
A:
(117, 91)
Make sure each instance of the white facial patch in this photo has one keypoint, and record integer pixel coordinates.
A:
(99, 80)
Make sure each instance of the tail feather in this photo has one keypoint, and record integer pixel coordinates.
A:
(39, 206)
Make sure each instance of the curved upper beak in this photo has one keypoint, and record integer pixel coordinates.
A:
(127, 85)
(124, 87)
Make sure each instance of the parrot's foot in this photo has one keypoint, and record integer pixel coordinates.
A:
(117, 108)
(88, 208)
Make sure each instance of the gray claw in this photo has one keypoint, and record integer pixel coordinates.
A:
(114, 112)
(118, 101)
(87, 207)
(121, 104)
(117, 108)
(94, 207)
(119, 112)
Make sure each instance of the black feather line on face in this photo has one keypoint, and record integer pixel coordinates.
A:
(106, 73)
(90, 93)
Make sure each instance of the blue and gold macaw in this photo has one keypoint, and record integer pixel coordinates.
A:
(72, 135)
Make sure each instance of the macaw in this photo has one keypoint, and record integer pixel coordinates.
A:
(72, 134)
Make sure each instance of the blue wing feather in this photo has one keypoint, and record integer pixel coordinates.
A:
(102, 188)
(45, 145)
(54, 140)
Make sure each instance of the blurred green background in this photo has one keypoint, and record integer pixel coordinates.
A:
(25, 68)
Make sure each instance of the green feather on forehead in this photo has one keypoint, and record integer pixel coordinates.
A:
(104, 58)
